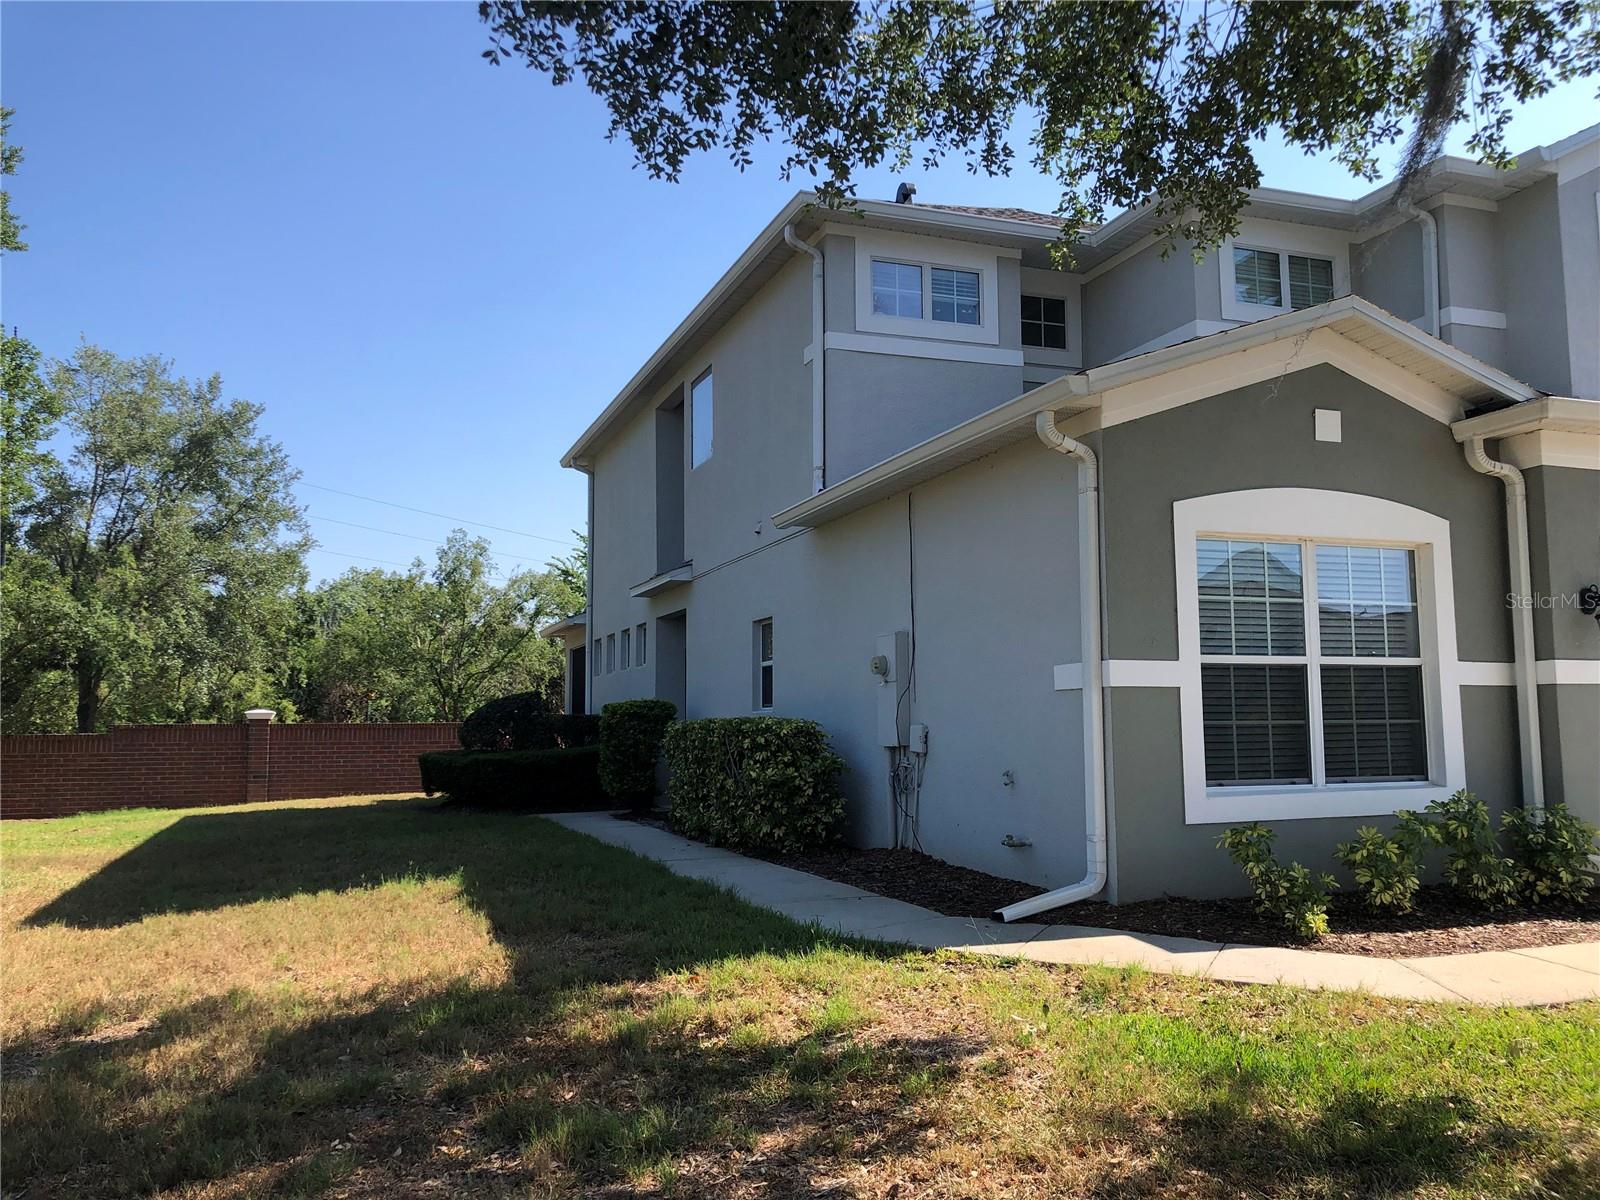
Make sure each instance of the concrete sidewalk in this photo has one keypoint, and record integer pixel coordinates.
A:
(1550, 975)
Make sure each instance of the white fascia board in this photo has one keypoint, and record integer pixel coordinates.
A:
(1566, 414)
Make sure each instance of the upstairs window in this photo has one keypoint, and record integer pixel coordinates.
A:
(611, 653)
(1258, 277)
(627, 646)
(896, 289)
(1044, 322)
(955, 296)
(639, 644)
(700, 418)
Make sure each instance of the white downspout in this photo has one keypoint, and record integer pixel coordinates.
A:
(818, 333)
(1094, 742)
(1430, 262)
(1521, 618)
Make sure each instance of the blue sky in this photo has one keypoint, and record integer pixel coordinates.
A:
(432, 272)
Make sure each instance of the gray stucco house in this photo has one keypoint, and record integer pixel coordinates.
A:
(1079, 568)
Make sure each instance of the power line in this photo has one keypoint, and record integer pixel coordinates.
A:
(415, 537)
(539, 537)
(387, 562)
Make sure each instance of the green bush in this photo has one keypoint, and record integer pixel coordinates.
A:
(1292, 893)
(1552, 853)
(524, 721)
(630, 744)
(754, 783)
(1387, 869)
(530, 780)
(1474, 865)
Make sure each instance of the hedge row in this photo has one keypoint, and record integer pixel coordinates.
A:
(754, 783)
(526, 780)
(524, 722)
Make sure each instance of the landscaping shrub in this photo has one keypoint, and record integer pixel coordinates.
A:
(1292, 893)
(1552, 853)
(524, 721)
(1387, 869)
(1474, 863)
(630, 744)
(754, 783)
(530, 780)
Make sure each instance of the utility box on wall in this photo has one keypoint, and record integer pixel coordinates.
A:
(891, 670)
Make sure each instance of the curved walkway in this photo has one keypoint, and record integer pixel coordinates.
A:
(1549, 975)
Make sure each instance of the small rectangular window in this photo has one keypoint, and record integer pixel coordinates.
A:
(638, 644)
(627, 647)
(597, 660)
(955, 296)
(611, 653)
(1310, 281)
(896, 289)
(700, 417)
(764, 663)
(1044, 322)
(1257, 278)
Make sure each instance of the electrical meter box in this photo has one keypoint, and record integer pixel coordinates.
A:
(891, 672)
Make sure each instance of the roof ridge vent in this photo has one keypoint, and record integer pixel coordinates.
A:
(903, 193)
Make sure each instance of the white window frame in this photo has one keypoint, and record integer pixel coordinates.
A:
(1311, 515)
(927, 253)
(1277, 237)
(764, 664)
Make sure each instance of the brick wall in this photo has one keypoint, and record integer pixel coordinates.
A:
(182, 766)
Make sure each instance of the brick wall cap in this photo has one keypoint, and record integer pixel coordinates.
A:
(260, 714)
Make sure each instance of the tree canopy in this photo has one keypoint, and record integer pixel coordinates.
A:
(1128, 102)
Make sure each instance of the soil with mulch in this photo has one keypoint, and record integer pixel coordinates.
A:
(1441, 923)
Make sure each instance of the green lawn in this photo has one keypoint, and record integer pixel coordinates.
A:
(389, 998)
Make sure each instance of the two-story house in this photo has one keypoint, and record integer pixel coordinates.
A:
(1078, 568)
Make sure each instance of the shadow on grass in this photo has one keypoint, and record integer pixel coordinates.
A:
(588, 1072)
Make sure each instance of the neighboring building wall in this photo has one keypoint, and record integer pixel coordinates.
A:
(1563, 515)
(1471, 295)
(1258, 437)
(185, 766)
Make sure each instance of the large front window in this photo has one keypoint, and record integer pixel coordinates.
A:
(1297, 693)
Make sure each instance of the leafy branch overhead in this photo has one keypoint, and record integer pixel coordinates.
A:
(1121, 103)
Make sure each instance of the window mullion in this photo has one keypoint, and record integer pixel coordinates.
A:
(1308, 590)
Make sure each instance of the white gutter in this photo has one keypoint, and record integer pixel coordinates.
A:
(1094, 741)
(1521, 617)
(818, 380)
(1430, 262)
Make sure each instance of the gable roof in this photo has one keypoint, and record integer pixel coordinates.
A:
(1352, 333)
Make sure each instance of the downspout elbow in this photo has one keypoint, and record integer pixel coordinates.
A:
(1430, 261)
(819, 408)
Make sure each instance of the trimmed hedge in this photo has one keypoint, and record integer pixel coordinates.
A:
(630, 744)
(754, 783)
(523, 721)
(529, 780)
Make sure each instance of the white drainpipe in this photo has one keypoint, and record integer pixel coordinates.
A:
(1094, 742)
(1521, 618)
(1430, 263)
(818, 407)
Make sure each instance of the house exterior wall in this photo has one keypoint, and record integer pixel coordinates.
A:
(1387, 269)
(1563, 513)
(1260, 437)
(1537, 349)
(1578, 209)
(1143, 299)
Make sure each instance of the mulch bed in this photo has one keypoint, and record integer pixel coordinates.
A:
(1441, 922)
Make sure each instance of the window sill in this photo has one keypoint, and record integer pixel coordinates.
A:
(1228, 805)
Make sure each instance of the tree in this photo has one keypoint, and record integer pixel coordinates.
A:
(10, 159)
(28, 413)
(1158, 99)
(161, 553)
(429, 644)
(571, 571)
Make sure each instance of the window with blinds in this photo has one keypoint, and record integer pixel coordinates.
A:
(1309, 694)
(1310, 281)
(955, 296)
(1258, 277)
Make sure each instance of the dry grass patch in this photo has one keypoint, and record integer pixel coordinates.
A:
(392, 999)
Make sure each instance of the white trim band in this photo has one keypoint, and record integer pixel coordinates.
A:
(1483, 318)
(1568, 671)
(1124, 672)
(910, 347)
(1487, 674)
